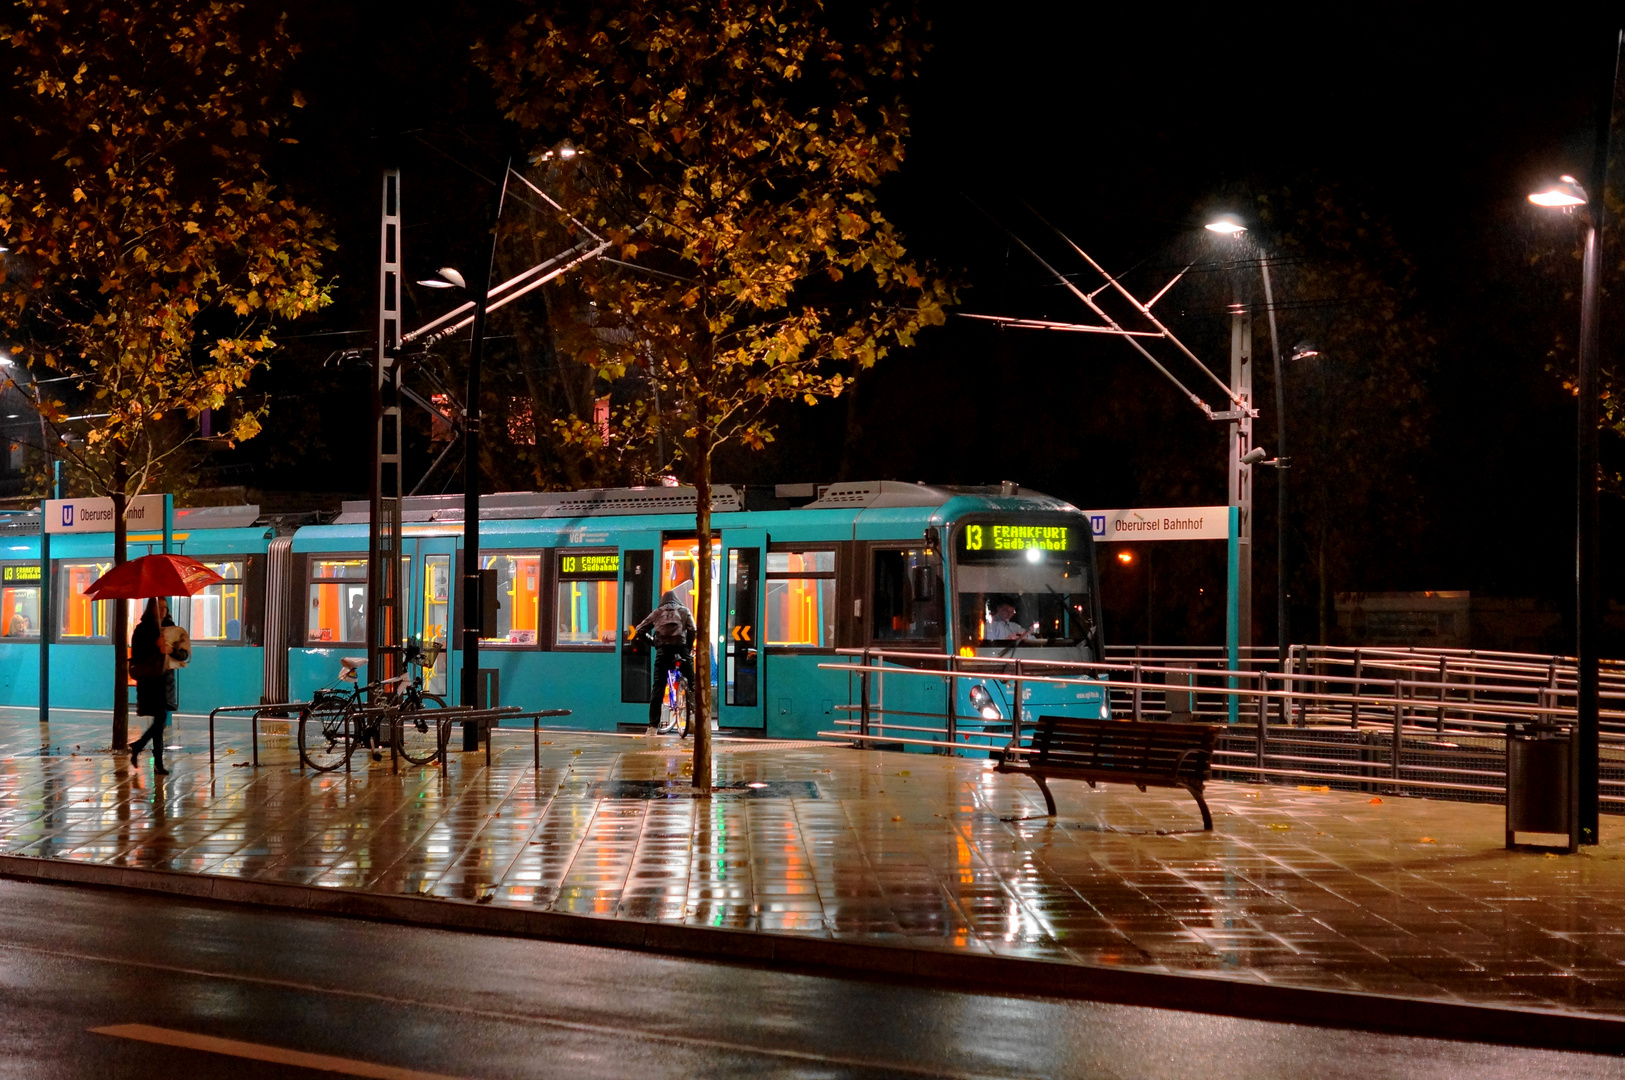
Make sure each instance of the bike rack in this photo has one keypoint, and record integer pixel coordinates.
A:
(508, 712)
(255, 714)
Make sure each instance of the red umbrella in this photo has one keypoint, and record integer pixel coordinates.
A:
(152, 575)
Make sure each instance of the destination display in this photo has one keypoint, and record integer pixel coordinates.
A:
(992, 538)
(21, 574)
(589, 565)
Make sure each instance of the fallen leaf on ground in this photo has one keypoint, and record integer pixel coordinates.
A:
(1280, 826)
(1375, 801)
(1427, 840)
(1314, 787)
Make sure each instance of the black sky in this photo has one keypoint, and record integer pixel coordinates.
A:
(1125, 127)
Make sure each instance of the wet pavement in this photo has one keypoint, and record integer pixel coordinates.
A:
(1294, 887)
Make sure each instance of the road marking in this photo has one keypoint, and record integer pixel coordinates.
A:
(276, 1055)
(581, 1026)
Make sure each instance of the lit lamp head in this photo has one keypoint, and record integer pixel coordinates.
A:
(1226, 225)
(1304, 350)
(564, 151)
(1564, 193)
(448, 279)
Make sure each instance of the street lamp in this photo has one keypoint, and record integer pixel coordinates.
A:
(1231, 225)
(448, 277)
(1567, 195)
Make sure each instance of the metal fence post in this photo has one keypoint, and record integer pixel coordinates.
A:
(1138, 716)
(1444, 672)
(1399, 733)
(1015, 707)
(863, 698)
(1263, 722)
(1354, 709)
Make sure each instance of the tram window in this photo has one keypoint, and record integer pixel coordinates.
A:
(898, 611)
(588, 584)
(19, 601)
(338, 600)
(214, 614)
(82, 619)
(519, 581)
(800, 600)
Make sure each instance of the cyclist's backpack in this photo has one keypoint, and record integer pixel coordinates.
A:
(669, 625)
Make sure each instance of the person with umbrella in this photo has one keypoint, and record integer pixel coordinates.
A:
(155, 691)
(153, 578)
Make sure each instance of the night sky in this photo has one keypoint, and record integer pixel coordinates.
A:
(1124, 130)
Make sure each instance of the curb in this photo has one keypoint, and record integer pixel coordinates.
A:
(940, 967)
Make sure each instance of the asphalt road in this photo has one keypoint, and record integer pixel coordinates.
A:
(104, 983)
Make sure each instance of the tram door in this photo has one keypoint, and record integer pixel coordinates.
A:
(741, 688)
(426, 596)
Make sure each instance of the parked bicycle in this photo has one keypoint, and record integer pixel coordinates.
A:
(338, 721)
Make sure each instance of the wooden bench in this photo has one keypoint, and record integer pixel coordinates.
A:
(1115, 751)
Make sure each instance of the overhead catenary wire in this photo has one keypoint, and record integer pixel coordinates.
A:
(1089, 302)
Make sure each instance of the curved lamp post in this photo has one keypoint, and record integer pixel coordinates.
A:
(1232, 225)
(1566, 194)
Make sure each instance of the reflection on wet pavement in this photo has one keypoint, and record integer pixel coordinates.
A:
(1380, 894)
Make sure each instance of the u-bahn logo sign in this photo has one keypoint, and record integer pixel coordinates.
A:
(1161, 523)
(144, 513)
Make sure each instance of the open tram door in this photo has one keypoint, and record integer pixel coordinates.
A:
(741, 690)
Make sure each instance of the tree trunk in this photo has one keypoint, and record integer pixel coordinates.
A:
(702, 616)
(121, 617)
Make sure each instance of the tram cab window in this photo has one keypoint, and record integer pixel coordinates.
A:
(1024, 588)
(800, 608)
(214, 614)
(19, 601)
(519, 582)
(588, 585)
(906, 599)
(337, 598)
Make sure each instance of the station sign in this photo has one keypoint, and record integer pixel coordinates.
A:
(144, 513)
(1160, 523)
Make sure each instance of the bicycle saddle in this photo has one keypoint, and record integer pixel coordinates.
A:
(348, 664)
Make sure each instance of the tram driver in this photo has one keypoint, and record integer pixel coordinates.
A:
(1003, 627)
(672, 627)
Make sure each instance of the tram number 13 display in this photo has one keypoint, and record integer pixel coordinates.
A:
(1017, 537)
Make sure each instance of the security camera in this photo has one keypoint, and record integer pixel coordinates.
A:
(1254, 456)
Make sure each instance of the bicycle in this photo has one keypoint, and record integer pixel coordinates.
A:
(336, 720)
(676, 699)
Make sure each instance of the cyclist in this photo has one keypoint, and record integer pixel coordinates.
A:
(672, 627)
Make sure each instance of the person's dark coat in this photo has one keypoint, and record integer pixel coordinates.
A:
(154, 694)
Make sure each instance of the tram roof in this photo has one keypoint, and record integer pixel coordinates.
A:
(725, 498)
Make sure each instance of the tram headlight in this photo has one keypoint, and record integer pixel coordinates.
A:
(982, 702)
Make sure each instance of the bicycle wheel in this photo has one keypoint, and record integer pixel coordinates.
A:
(417, 730)
(682, 706)
(324, 734)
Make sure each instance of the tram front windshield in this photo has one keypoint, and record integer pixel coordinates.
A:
(1025, 598)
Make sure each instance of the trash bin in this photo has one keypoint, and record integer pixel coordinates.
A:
(1539, 775)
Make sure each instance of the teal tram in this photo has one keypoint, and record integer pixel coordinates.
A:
(916, 574)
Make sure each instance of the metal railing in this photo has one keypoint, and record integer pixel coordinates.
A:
(1397, 721)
